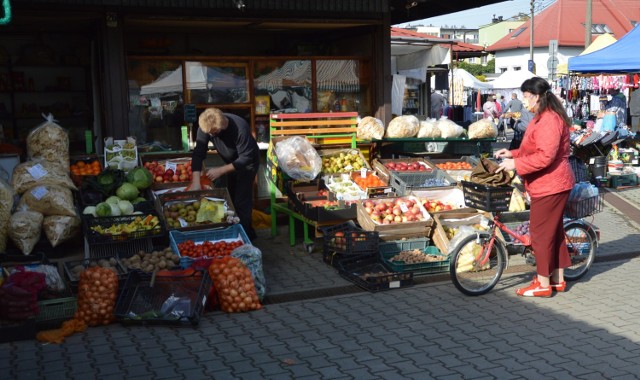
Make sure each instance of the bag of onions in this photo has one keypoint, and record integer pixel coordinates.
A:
(234, 285)
(97, 295)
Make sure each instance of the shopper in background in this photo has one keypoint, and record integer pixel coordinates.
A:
(489, 107)
(514, 105)
(503, 104)
(437, 104)
(617, 104)
(543, 163)
(231, 137)
(519, 126)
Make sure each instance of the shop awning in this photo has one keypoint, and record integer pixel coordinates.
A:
(623, 56)
(410, 56)
(600, 42)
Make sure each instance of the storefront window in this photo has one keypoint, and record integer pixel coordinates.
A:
(156, 101)
(217, 83)
(284, 84)
(343, 85)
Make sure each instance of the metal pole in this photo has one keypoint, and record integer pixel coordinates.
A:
(531, 35)
(587, 26)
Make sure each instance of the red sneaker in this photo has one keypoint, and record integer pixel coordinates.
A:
(534, 290)
(556, 287)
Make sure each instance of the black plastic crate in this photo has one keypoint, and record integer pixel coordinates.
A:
(74, 279)
(94, 237)
(583, 207)
(142, 299)
(403, 182)
(371, 274)
(346, 239)
(487, 198)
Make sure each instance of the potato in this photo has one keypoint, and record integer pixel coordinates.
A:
(149, 268)
(162, 264)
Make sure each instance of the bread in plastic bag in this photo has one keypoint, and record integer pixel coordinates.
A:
(39, 172)
(49, 200)
(50, 142)
(298, 158)
(6, 206)
(428, 129)
(61, 228)
(25, 227)
(482, 129)
(370, 128)
(403, 126)
(251, 256)
(449, 129)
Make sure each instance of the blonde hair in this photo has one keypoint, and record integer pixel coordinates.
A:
(212, 120)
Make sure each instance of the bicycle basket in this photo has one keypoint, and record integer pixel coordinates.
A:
(581, 208)
(486, 198)
(579, 168)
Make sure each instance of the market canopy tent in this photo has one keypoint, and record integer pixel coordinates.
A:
(600, 42)
(623, 56)
(512, 79)
(469, 81)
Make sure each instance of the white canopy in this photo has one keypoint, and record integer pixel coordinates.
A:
(171, 81)
(469, 81)
(410, 56)
(511, 79)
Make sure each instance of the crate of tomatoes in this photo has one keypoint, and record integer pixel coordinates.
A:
(204, 244)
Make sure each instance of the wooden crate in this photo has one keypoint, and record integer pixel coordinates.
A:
(422, 228)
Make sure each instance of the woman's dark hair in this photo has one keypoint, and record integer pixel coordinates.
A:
(548, 100)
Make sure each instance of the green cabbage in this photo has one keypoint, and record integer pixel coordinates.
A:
(103, 209)
(115, 210)
(112, 200)
(90, 210)
(127, 191)
(126, 208)
(140, 178)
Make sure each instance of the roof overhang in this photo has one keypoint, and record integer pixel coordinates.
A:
(410, 10)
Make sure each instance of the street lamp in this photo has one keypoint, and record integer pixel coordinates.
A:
(532, 65)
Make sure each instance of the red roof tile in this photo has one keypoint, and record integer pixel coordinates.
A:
(564, 21)
(457, 47)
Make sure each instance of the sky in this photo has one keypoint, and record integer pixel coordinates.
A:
(476, 17)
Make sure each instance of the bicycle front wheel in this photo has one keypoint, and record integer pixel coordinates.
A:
(582, 250)
(474, 269)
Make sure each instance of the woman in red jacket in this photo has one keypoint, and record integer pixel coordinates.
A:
(543, 163)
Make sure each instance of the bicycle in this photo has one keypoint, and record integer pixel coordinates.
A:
(479, 260)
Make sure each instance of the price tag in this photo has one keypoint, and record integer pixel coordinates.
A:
(37, 171)
(403, 207)
(484, 222)
(592, 161)
(344, 177)
(39, 191)
(183, 223)
(348, 168)
(204, 300)
(388, 190)
(394, 284)
(634, 161)
(363, 172)
(170, 165)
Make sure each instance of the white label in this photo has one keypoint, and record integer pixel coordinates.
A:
(388, 190)
(204, 300)
(348, 168)
(115, 148)
(183, 223)
(38, 192)
(484, 222)
(592, 161)
(345, 177)
(404, 207)
(170, 165)
(394, 284)
(634, 161)
(37, 171)
(363, 172)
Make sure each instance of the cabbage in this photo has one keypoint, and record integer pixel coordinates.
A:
(112, 200)
(115, 210)
(127, 191)
(140, 178)
(138, 200)
(90, 210)
(103, 209)
(126, 208)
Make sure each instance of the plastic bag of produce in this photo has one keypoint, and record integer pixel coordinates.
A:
(6, 205)
(251, 256)
(25, 227)
(483, 129)
(61, 228)
(49, 141)
(449, 129)
(370, 128)
(97, 294)
(428, 129)
(51, 275)
(298, 158)
(403, 126)
(49, 200)
(234, 285)
(39, 172)
(19, 295)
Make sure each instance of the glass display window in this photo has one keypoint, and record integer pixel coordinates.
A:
(217, 83)
(286, 83)
(343, 86)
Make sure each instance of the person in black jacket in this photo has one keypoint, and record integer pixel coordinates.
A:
(231, 137)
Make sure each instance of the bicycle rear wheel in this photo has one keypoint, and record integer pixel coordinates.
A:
(468, 272)
(582, 250)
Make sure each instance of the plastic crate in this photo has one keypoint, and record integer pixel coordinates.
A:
(583, 207)
(402, 182)
(487, 198)
(119, 249)
(417, 269)
(623, 180)
(346, 239)
(513, 220)
(185, 198)
(94, 237)
(176, 237)
(402, 245)
(86, 263)
(52, 312)
(371, 274)
(142, 299)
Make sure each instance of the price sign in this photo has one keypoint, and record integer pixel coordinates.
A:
(190, 113)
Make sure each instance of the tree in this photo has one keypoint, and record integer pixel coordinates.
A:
(478, 70)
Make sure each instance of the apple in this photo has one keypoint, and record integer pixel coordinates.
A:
(368, 209)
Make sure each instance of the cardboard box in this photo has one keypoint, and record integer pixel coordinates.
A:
(440, 238)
